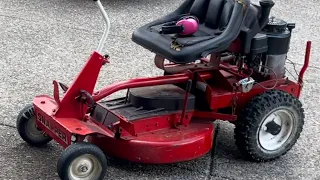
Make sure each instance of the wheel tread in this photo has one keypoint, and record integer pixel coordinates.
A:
(22, 120)
(249, 120)
(74, 150)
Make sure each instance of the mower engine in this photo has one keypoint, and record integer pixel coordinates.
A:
(269, 49)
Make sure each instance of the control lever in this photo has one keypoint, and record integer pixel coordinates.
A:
(107, 25)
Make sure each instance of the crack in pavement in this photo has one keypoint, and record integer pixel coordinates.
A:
(213, 150)
(7, 125)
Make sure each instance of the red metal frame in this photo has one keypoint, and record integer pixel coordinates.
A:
(304, 68)
(174, 137)
(70, 107)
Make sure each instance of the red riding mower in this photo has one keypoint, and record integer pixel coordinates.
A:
(222, 60)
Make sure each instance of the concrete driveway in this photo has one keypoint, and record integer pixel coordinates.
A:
(42, 40)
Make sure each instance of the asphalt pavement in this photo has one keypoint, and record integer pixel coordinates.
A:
(43, 40)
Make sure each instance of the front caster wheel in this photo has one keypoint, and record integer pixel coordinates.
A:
(82, 161)
(28, 130)
(269, 126)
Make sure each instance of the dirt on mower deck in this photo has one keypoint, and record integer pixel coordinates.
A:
(45, 40)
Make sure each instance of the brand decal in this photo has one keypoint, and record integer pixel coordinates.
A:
(52, 127)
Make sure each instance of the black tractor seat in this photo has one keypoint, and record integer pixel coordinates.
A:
(220, 23)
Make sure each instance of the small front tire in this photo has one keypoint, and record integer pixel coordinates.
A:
(28, 130)
(83, 161)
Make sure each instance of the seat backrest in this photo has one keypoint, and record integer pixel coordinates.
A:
(214, 14)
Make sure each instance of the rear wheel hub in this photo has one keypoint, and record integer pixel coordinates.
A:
(276, 129)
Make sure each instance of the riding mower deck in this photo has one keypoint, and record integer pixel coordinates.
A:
(222, 60)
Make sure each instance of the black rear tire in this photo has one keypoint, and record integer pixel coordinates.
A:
(248, 135)
(82, 160)
(26, 127)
